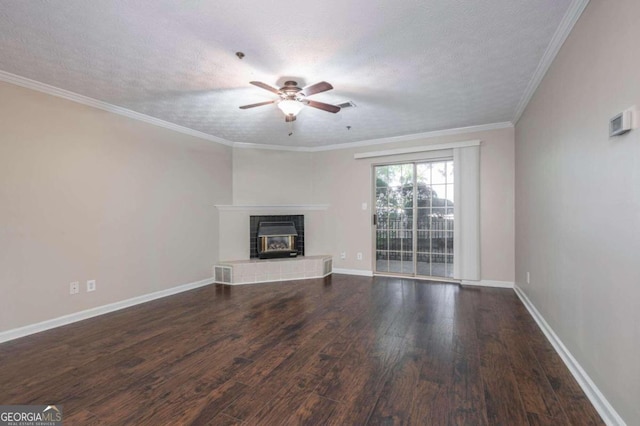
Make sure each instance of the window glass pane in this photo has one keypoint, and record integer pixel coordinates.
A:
(437, 246)
(438, 265)
(424, 218)
(382, 263)
(394, 239)
(449, 242)
(395, 261)
(407, 263)
(439, 173)
(407, 174)
(407, 196)
(438, 195)
(424, 242)
(423, 173)
(395, 218)
(423, 264)
(449, 171)
(395, 175)
(382, 177)
(382, 240)
(450, 195)
(408, 218)
(424, 194)
(450, 269)
(382, 198)
(407, 244)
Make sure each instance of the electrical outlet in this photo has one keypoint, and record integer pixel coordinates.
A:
(343, 255)
(91, 285)
(74, 287)
(528, 278)
(359, 256)
(364, 206)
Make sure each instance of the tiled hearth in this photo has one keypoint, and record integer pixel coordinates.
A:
(253, 271)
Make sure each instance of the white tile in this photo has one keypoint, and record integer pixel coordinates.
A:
(273, 268)
(261, 278)
(249, 268)
(286, 266)
(248, 278)
(314, 265)
(298, 265)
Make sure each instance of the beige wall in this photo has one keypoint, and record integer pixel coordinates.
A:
(86, 194)
(262, 176)
(345, 183)
(578, 201)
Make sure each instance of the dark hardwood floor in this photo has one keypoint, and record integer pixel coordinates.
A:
(342, 351)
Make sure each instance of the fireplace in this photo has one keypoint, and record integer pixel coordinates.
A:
(255, 241)
(277, 239)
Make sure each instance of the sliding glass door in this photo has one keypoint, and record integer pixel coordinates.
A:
(414, 218)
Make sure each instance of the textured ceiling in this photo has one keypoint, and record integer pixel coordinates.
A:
(410, 66)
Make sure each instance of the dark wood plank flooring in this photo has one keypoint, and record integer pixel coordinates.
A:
(342, 350)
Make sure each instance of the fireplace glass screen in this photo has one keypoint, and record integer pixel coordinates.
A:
(278, 242)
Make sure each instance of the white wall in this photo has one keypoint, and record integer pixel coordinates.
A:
(86, 194)
(578, 200)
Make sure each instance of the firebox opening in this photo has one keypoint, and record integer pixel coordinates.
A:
(277, 239)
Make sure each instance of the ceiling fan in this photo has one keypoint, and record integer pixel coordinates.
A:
(293, 99)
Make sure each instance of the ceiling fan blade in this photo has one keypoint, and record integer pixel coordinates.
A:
(265, 86)
(323, 106)
(312, 89)
(257, 105)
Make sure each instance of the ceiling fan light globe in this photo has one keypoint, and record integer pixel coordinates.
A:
(290, 107)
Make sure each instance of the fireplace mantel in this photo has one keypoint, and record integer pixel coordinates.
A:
(283, 207)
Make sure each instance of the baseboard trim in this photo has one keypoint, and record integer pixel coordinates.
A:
(360, 272)
(27, 330)
(604, 408)
(488, 283)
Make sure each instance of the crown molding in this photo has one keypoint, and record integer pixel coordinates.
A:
(105, 106)
(564, 29)
(248, 145)
(283, 207)
(417, 136)
(416, 149)
(373, 142)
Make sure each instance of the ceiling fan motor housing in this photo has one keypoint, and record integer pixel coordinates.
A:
(290, 89)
